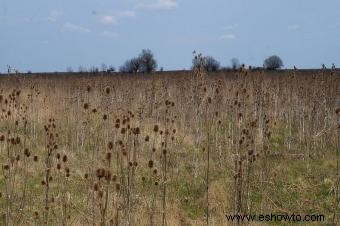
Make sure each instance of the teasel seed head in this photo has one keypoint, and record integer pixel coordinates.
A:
(110, 145)
(150, 164)
(108, 156)
(65, 158)
(107, 90)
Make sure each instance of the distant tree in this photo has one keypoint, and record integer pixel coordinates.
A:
(147, 61)
(273, 62)
(131, 66)
(211, 64)
(111, 69)
(235, 63)
(207, 62)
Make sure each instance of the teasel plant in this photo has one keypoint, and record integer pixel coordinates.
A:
(51, 146)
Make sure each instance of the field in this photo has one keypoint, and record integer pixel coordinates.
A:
(169, 148)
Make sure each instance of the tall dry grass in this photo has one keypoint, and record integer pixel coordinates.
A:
(168, 149)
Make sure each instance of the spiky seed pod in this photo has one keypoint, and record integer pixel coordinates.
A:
(58, 155)
(6, 167)
(143, 178)
(123, 130)
(86, 176)
(2, 137)
(108, 156)
(88, 89)
(94, 110)
(155, 171)
(164, 151)
(147, 138)
(150, 164)
(86, 106)
(135, 164)
(337, 111)
(156, 183)
(110, 145)
(153, 149)
(27, 152)
(117, 125)
(58, 166)
(117, 187)
(17, 158)
(35, 158)
(155, 128)
(65, 158)
(209, 100)
(107, 90)
(104, 117)
(43, 182)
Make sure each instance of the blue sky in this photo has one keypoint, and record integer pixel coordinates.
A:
(41, 35)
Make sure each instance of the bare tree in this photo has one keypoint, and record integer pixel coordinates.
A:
(208, 62)
(273, 62)
(131, 66)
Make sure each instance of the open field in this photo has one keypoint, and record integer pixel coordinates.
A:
(180, 148)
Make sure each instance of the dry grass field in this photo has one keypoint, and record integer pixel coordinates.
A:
(168, 148)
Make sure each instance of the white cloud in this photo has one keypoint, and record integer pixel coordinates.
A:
(107, 19)
(125, 13)
(230, 27)
(108, 34)
(113, 17)
(228, 36)
(54, 15)
(69, 27)
(159, 5)
(293, 27)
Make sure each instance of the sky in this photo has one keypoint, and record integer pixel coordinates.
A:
(49, 36)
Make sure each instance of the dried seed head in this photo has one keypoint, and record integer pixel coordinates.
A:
(117, 187)
(110, 145)
(107, 90)
(27, 152)
(64, 158)
(88, 89)
(337, 111)
(150, 163)
(108, 156)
